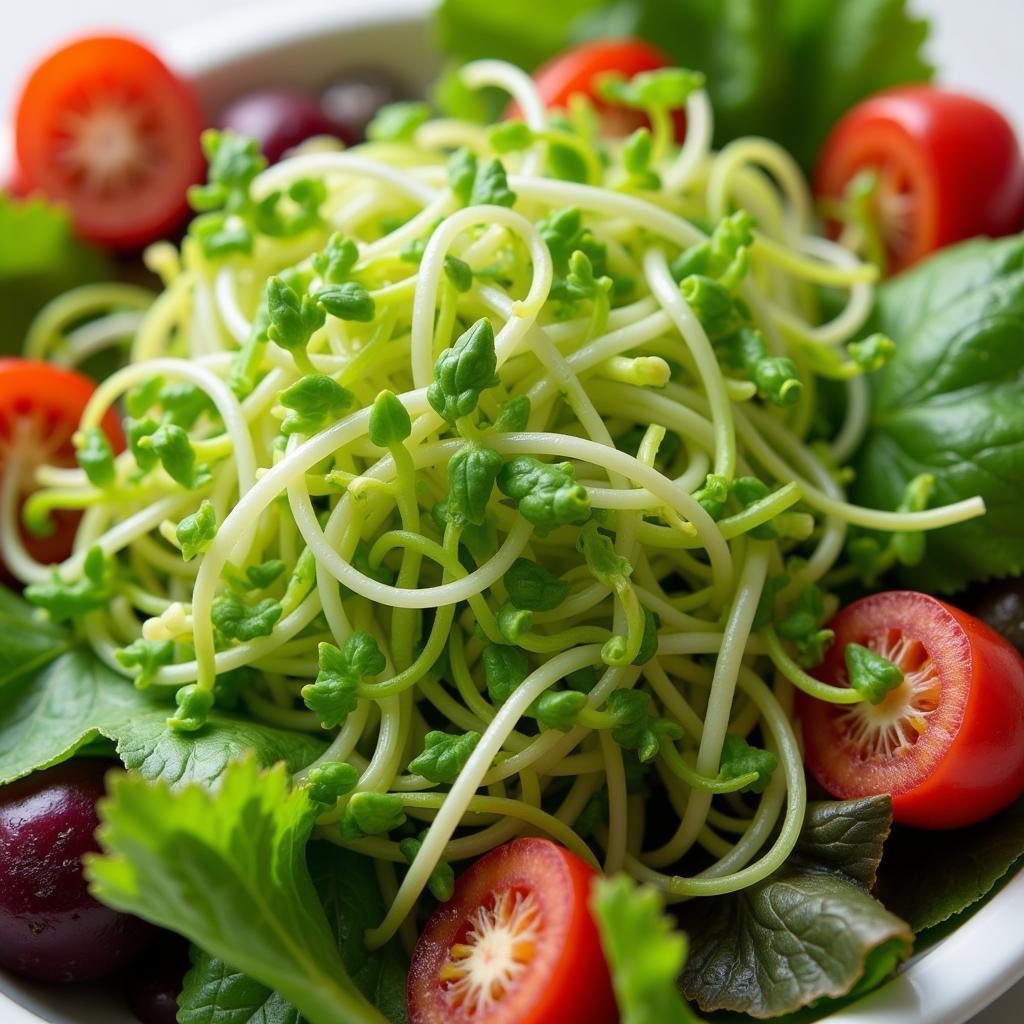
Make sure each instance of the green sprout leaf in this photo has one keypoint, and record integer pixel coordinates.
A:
(65, 601)
(504, 670)
(96, 457)
(330, 781)
(389, 421)
(871, 674)
(238, 621)
(471, 475)
(348, 301)
(546, 494)
(462, 371)
(444, 756)
(371, 814)
(334, 693)
(531, 586)
(148, 656)
(739, 758)
(398, 122)
(313, 402)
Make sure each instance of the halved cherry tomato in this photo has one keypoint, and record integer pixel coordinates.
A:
(105, 126)
(949, 168)
(40, 408)
(948, 742)
(516, 944)
(577, 71)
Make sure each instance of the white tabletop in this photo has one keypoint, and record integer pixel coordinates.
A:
(976, 45)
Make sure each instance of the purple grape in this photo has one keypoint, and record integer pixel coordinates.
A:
(279, 119)
(351, 102)
(155, 984)
(51, 929)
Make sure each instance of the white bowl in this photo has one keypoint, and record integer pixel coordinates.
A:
(307, 46)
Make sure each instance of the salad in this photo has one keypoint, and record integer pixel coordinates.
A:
(511, 558)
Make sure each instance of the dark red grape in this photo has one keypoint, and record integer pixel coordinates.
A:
(351, 102)
(50, 927)
(279, 119)
(156, 982)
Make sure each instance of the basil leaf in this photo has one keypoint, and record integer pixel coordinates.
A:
(949, 404)
(810, 931)
(927, 877)
(215, 993)
(48, 715)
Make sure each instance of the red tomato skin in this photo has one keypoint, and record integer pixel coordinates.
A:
(959, 155)
(575, 71)
(58, 397)
(577, 987)
(151, 209)
(979, 763)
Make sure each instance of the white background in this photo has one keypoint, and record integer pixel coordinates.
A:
(977, 44)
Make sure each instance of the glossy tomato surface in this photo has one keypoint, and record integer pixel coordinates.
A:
(51, 928)
(40, 409)
(516, 944)
(106, 127)
(949, 168)
(578, 70)
(948, 743)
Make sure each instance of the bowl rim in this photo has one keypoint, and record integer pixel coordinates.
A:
(948, 983)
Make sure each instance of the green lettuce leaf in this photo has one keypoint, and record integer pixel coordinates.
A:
(215, 993)
(949, 403)
(645, 953)
(787, 69)
(57, 697)
(810, 931)
(928, 877)
(227, 869)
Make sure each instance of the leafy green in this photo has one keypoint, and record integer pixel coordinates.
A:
(787, 69)
(228, 871)
(948, 405)
(809, 931)
(40, 258)
(739, 758)
(442, 879)
(644, 951)
(215, 993)
(927, 877)
(871, 674)
(371, 814)
(96, 457)
(61, 697)
(558, 709)
(172, 447)
(348, 301)
(148, 656)
(398, 122)
(29, 641)
(329, 781)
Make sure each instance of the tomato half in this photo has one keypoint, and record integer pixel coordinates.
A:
(105, 126)
(577, 71)
(949, 168)
(40, 409)
(516, 944)
(948, 742)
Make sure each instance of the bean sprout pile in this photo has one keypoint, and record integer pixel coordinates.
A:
(496, 459)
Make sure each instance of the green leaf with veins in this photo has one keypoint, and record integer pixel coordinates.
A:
(30, 641)
(463, 371)
(69, 698)
(927, 877)
(313, 402)
(948, 404)
(214, 993)
(228, 871)
(808, 932)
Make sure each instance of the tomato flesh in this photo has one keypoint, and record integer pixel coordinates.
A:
(948, 743)
(106, 127)
(40, 409)
(577, 71)
(516, 944)
(949, 168)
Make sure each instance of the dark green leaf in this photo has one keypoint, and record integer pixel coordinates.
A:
(847, 836)
(927, 877)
